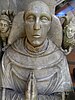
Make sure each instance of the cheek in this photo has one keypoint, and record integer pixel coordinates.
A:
(6, 28)
(28, 27)
(45, 28)
(46, 25)
(73, 33)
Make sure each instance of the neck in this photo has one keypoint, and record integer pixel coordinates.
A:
(36, 50)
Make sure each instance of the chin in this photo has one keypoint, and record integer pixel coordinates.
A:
(36, 44)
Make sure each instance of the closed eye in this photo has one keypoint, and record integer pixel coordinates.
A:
(30, 18)
(44, 19)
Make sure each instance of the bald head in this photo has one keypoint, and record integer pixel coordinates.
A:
(39, 6)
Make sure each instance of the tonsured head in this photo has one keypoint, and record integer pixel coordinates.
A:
(37, 22)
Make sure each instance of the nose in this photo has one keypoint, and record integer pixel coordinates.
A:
(37, 24)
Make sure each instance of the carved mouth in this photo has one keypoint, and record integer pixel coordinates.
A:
(36, 36)
(2, 30)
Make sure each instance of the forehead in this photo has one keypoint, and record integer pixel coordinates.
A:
(71, 27)
(38, 7)
(3, 21)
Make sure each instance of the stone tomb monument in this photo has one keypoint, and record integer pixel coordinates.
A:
(34, 67)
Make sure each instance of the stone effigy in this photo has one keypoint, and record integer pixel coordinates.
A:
(5, 26)
(6, 19)
(33, 67)
(68, 42)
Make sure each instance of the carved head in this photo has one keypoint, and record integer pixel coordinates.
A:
(4, 23)
(37, 22)
(70, 31)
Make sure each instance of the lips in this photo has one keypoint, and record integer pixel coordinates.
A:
(2, 30)
(36, 36)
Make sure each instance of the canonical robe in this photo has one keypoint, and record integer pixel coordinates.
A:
(49, 65)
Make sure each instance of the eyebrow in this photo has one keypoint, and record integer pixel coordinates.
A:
(29, 13)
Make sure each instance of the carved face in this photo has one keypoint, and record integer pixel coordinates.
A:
(4, 26)
(37, 23)
(71, 31)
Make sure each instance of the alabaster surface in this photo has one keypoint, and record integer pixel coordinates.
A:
(34, 67)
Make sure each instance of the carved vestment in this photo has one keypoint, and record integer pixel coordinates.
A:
(50, 68)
